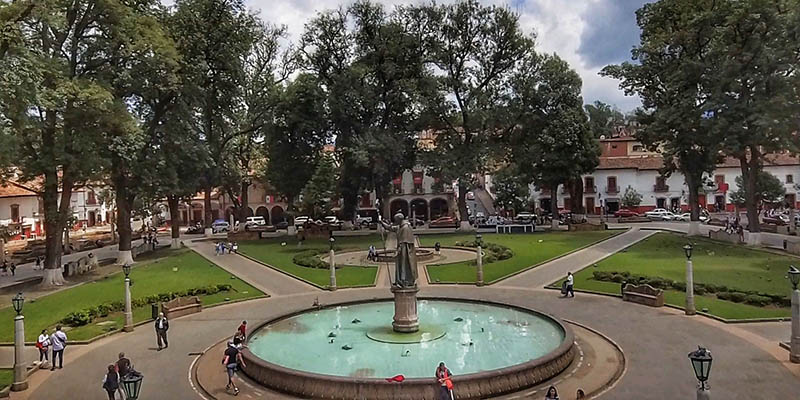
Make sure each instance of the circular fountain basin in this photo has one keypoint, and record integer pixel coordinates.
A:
(387, 255)
(348, 351)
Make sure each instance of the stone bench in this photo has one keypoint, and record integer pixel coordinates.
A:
(182, 306)
(643, 294)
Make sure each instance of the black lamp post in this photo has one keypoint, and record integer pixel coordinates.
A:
(701, 363)
(794, 276)
(479, 239)
(688, 250)
(132, 385)
(331, 241)
(18, 301)
(126, 268)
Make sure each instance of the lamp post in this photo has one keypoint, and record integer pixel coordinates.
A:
(690, 310)
(701, 364)
(794, 341)
(479, 258)
(126, 268)
(132, 385)
(333, 264)
(20, 369)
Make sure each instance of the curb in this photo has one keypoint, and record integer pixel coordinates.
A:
(620, 372)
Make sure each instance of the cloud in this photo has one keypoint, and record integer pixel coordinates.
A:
(589, 34)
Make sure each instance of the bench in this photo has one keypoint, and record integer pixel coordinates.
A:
(515, 227)
(643, 294)
(182, 306)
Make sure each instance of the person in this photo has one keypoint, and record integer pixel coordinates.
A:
(446, 384)
(38, 262)
(162, 326)
(59, 341)
(438, 247)
(230, 247)
(552, 393)
(580, 395)
(243, 330)
(216, 248)
(13, 268)
(371, 253)
(570, 285)
(235, 247)
(124, 368)
(3, 268)
(232, 361)
(43, 344)
(111, 381)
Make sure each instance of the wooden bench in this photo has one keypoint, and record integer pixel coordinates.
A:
(643, 294)
(182, 306)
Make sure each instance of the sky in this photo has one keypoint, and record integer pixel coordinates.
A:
(589, 34)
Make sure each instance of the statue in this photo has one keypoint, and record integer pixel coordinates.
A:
(405, 260)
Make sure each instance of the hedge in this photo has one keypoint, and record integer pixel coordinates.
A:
(87, 315)
(721, 291)
(493, 251)
(310, 259)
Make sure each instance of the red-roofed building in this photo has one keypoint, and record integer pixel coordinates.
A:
(20, 209)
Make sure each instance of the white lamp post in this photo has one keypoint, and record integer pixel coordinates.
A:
(126, 268)
(701, 364)
(20, 369)
(794, 341)
(333, 264)
(479, 258)
(690, 310)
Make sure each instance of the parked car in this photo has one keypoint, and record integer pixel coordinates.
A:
(255, 221)
(624, 213)
(220, 226)
(282, 225)
(444, 222)
(363, 220)
(656, 214)
(525, 218)
(333, 222)
(668, 216)
(416, 222)
(777, 219)
(195, 229)
(301, 220)
(686, 217)
(496, 220)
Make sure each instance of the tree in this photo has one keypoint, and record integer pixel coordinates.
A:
(511, 190)
(603, 118)
(670, 75)
(321, 188)
(552, 138)
(475, 50)
(769, 189)
(631, 198)
(370, 65)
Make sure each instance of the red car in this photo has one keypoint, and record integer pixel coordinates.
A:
(444, 222)
(625, 213)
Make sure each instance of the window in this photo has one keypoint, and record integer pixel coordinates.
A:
(91, 199)
(638, 148)
(612, 184)
(661, 181)
(588, 185)
(15, 213)
(789, 179)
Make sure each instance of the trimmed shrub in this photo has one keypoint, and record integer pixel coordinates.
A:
(756, 300)
(310, 259)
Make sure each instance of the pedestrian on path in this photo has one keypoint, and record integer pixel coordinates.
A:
(59, 341)
(216, 248)
(445, 382)
(13, 269)
(124, 368)
(570, 285)
(232, 361)
(43, 344)
(162, 326)
(552, 393)
(38, 262)
(242, 330)
(111, 381)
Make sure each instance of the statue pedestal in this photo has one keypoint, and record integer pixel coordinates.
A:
(405, 310)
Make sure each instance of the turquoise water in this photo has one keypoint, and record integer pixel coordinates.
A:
(487, 337)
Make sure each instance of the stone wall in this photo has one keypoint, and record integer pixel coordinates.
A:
(723, 236)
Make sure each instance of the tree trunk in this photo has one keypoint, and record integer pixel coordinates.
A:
(749, 176)
(693, 182)
(207, 214)
(2, 250)
(463, 214)
(175, 221)
(65, 241)
(554, 206)
(575, 189)
(124, 204)
(243, 206)
(54, 221)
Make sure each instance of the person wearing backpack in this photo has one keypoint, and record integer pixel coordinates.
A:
(111, 381)
(59, 341)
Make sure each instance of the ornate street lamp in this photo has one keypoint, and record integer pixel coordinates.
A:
(331, 241)
(331, 258)
(794, 276)
(794, 340)
(128, 327)
(132, 385)
(688, 250)
(126, 268)
(701, 363)
(18, 301)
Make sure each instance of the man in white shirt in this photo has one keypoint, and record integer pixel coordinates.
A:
(162, 325)
(59, 341)
(570, 282)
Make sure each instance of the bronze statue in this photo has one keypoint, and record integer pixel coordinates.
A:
(405, 260)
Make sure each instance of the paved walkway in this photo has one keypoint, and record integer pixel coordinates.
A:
(655, 341)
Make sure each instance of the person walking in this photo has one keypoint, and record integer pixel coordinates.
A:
(216, 248)
(13, 269)
(162, 326)
(38, 262)
(446, 384)
(242, 330)
(232, 361)
(43, 344)
(111, 381)
(570, 285)
(552, 393)
(123, 367)
(59, 341)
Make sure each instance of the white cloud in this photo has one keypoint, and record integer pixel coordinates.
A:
(557, 23)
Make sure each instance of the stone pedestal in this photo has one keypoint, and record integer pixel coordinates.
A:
(794, 341)
(406, 319)
(128, 310)
(20, 367)
(690, 310)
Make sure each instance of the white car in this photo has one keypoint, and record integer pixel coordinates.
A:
(525, 217)
(363, 220)
(668, 216)
(658, 213)
(686, 217)
(332, 220)
(300, 221)
(255, 221)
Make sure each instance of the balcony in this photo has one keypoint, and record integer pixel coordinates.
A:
(660, 188)
(590, 189)
(612, 189)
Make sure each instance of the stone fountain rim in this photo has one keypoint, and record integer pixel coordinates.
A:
(565, 347)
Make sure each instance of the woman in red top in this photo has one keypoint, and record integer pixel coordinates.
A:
(243, 330)
(446, 385)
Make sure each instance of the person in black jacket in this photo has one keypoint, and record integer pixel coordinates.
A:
(162, 326)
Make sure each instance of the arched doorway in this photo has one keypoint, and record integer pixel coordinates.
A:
(263, 212)
(439, 208)
(398, 205)
(277, 214)
(419, 208)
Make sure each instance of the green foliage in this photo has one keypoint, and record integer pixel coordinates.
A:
(321, 188)
(603, 118)
(631, 198)
(769, 189)
(493, 251)
(310, 259)
(511, 190)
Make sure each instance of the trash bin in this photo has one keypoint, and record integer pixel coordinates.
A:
(154, 310)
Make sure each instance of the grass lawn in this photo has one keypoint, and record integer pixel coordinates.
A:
(273, 253)
(177, 270)
(736, 267)
(529, 250)
(6, 377)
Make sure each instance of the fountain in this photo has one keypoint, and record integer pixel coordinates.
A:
(348, 351)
